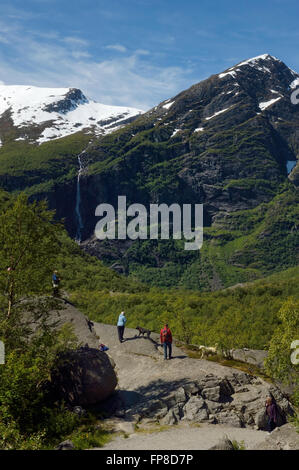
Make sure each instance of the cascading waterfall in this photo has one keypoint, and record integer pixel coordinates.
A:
(78, 202)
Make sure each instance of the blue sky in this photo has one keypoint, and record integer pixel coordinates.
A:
(139, 52)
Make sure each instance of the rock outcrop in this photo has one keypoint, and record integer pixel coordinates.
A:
(184, 390)
(237, 400)
(83, 377)
(282, 438)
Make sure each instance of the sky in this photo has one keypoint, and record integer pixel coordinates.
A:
(139, 52)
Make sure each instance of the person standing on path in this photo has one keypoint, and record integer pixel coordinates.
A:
(271, 412)
(166, 341)
(121, 326)
(55, 283)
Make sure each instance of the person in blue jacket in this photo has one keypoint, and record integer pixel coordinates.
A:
(55, 283)
(121, 326)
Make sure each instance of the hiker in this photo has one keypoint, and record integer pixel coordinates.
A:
(55, 283)
(166, 341)
(121, 326)
(90, 324)
(271, 412)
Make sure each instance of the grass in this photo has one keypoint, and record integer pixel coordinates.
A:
(157, 427)
(238, 445)
(87, 437)
(243, 366)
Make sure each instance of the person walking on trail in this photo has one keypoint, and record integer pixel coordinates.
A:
(271, 412)
(55, 283)
(166, 341)
(121, 326)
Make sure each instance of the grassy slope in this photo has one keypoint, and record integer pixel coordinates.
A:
(23, 165)
(242, 246)
(246, 315)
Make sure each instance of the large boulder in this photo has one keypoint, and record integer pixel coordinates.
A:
(84, 376)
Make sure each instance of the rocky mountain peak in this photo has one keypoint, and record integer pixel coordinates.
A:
(36, 114)
(71, 100)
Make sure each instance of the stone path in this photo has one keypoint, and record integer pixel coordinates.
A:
(144, 376)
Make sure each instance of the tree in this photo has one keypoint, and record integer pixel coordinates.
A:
(278, 363)
(29, 242)
(226, 333)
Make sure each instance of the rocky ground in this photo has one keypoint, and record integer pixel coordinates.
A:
(185, 403)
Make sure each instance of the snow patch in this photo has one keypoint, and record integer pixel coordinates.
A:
(266, 104)
(167, 106)
(222, 75)
(217, 113)
(175, 132)
(253, 60)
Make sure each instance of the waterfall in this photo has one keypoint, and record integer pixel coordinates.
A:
(78, 201)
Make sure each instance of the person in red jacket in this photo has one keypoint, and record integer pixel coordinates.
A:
(166, 341)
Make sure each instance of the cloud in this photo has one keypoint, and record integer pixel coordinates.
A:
(116, 47)
(142, 52)
(74, 41)
(131, 79)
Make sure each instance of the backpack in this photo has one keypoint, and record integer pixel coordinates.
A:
(165, 334)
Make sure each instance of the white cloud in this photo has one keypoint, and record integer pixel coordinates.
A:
(127, 80)
(116, 47)
(74, 41)
(142, 52)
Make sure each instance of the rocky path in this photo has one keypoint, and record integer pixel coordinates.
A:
(185, 437)
(183, 403)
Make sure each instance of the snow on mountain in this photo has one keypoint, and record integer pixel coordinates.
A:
(59, 112)
(266, 104)
(261, 63)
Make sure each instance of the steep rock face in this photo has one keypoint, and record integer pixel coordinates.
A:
(224, 142)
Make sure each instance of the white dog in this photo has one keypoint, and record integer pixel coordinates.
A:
(207, 351)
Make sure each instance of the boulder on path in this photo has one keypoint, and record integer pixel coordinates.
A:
(83, 377)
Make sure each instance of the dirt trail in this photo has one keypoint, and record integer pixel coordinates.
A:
(186, 437)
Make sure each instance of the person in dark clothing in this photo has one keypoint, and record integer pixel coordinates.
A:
(55, 283)
(90, 324)
(166, 341)
(271, 412)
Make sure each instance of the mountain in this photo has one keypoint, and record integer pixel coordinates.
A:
(37, 114)
(229, 142)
